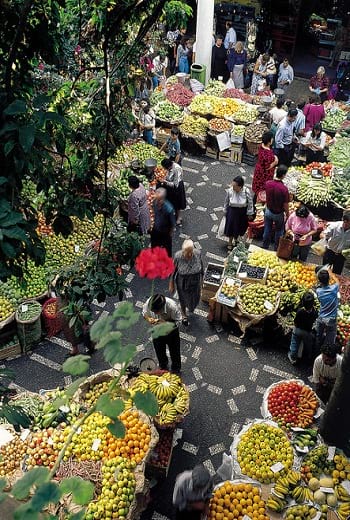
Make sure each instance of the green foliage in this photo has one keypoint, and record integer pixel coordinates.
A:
(147, 402)
(117, 428)
(177, 14)
(110, 408)
(34, 477)
(82, 491)
(77, 365)
(162, 329)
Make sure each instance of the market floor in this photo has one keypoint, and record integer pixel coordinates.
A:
(226, 377)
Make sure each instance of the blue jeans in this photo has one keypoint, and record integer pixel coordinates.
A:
(148, 136)
(298, 336)
(326, 331)
(155, 81)
(269, 220)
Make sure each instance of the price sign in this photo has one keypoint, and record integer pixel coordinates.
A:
(302, 449)
(327, 489)
(236, 259)
(96, 444)
(319, 412)
(297, 429)
(346, 485)
(76, 248)
(24, 307)
(275, 468)
(331, 452)
(24, 434)
(50, 441)
(246, 517)
(268, 305)
(242, 275)
(53, 294)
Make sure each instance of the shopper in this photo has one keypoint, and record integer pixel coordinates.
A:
(326, 325)
(147, 120)
(264, 72)
(337, 235)
(265, 166)
(164, 221)
(315, 142)
(326, 370)
(172, 146)
(160, 64)
(285, 75)
(277, 207)
(277, 113)
(192, 493)
(138, 211)
(182, 52)
(160, 309)
(302, 332)
(237, 63)
(314, 112)
(284, 138)
(300, 121)
(187, 278)
(219, 60)
(231, 37)
(319, 84)
(175, 187)
(301, 226)
(238, 208)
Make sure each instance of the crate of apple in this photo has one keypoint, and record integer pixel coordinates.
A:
(159, 462)
(43, 448)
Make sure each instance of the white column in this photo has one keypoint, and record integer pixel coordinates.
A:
(204, 32)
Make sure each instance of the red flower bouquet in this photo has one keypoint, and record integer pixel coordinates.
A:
(154, 263)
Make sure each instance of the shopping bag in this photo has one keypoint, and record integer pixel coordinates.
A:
(221, 230)
(319, 248)
(285, 247)
(230, 84)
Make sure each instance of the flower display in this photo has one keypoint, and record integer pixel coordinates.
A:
(154, 263)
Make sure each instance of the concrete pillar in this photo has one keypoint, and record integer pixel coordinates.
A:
(204, 32)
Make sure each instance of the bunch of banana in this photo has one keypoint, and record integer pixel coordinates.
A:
(341, 494)
(275, 503)
(344, 511)
(167, 414)
(293, 477)
(181, 403)
(302, 494)
(284, 484)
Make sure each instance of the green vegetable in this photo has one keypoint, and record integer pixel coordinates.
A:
(167, 111)
(339, 152)
(314, 191)
(28, 310)
(194, 126)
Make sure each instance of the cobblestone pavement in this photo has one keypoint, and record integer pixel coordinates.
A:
(226, 377)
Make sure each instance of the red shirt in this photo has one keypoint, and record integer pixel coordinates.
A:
(276, 196)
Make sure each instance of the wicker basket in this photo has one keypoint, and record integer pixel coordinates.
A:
(252, 147)
(29, 332)
(52, 323)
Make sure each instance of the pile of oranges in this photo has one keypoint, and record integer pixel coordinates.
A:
(233, 501)
(95, 442)
(304, 274)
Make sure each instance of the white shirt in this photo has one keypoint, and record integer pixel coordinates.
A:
(317, 141)
(277, 114)
(326, 371)
(285, 74)
(171, 312)
(159, 65)
(230, 38)
(337, 237)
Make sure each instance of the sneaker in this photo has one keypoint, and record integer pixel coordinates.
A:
(292, 359)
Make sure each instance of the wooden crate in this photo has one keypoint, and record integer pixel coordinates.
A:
(11, 351)
(236, 156)
(225, 156)
(206, 294)
(209, 289)
(210, 152)
(155, 471)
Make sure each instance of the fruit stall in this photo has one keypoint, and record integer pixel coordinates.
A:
(280, 466)
(255, 284)
(117, 467)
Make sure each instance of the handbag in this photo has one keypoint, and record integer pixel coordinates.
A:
(285, 247)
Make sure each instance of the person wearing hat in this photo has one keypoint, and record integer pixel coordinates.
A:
(326, 323)
(160, 309)
(192, 493)
(337, 235)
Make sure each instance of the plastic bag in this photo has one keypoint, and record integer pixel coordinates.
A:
(196, 86)
(221, 230)
(230, 84)
(319, 248)
(226, 468)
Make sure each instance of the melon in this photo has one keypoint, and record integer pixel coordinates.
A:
(331, 500)
(326, 482)
(314, 484)
(320, 497)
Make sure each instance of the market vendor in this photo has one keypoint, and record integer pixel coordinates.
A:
(315, 142)
(285, 75)
(172, 146)
(326, 369)
(319, 84)
(337, 235)
(147, 122)
(192, 493)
